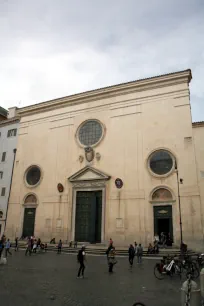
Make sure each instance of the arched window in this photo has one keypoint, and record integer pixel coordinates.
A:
(162, 195)
(30, 199)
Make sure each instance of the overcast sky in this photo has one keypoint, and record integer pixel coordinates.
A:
(50, 49)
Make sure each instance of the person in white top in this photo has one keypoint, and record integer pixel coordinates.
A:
(8, 245)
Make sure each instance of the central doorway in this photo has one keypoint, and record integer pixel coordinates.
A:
(29, 222)
(88, 216)
(163, 220)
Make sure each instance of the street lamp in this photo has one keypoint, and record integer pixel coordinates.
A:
(179, 181)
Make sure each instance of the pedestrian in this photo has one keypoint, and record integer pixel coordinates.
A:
(75, 244)
(139, 253)
(111, 259)
(34, 246)
(29, 247)
(38, 244)
(81, 257)
(131, 253)
(1, 247)
(32, 242)
(135, 247)
(59, 247)
(110, 242)
(16, 244)
(8, 245)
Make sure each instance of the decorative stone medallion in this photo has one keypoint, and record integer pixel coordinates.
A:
(89, 153)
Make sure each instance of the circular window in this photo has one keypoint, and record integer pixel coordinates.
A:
(161, 162)
(90, 132)
(33, 175)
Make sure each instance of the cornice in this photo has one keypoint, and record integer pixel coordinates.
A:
(107, 92)
(198, 124)
(9, 121)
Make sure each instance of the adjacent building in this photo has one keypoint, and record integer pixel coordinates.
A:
(123, 162)
(8, 144)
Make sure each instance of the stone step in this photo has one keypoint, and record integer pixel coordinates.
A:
(102, 251)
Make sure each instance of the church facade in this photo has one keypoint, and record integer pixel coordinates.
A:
(123, 162)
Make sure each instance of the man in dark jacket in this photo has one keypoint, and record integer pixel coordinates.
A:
(81, 259)
(131, 252)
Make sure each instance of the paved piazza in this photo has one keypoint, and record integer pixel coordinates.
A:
(50, 279)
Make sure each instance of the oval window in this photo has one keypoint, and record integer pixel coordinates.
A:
(33, 175)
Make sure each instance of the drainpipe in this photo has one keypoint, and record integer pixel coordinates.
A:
(14, 157)
(179, 200)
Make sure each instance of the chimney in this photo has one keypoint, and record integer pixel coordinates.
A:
(12, 112)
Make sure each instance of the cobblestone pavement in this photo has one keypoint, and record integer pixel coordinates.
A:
(50, 279)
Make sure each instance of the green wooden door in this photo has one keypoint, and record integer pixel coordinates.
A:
(163, 220)
(29, 222)
(88, 216)
(98, 216)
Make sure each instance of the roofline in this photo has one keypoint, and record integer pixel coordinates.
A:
(9, 121)
(198, 124)
(105, 92)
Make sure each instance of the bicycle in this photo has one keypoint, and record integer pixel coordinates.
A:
(168, 266)
(190, 266)
(200, 261)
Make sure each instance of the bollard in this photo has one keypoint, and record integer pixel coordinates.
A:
(202, 282)
(195, 296)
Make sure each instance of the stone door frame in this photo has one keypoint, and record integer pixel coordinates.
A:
(88, 186)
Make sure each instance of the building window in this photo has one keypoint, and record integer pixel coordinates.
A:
(12, 133)
(162, 195)
(3, 191)
(90, 133)
(161, 162)
(1, 175)
(33, 175)
(3, 158)
(1, 214)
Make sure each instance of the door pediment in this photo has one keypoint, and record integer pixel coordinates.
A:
(88, 174)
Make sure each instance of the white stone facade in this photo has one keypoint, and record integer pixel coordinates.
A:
(137, 119)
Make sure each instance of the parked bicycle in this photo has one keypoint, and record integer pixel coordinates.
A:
(190, 266)
(200, 260)
(168, 266)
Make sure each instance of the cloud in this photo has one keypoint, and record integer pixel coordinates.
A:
(52, 49)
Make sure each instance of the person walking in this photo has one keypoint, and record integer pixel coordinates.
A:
(29, 247)
(59, 247)
(8, 245)
(81, 258)
(38, 244)
(35, 246)
(110, 242)
(131, 253)
(135, 247)
(16, 244)
(111, 259)
(1, 247)
(139, 253)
